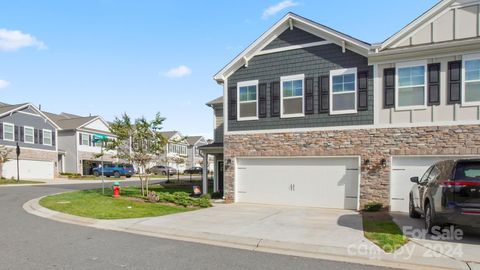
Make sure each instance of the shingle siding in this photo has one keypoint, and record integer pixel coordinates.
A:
(313, 62)
(292, 37)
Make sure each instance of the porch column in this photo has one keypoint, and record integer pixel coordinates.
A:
(205, 174)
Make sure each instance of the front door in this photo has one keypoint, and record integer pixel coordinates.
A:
(220, 177)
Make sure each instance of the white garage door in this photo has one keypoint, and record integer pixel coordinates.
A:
(316, 182)
(404, 167)
(29, 169)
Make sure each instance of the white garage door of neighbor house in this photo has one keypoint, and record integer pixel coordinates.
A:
(316, 182)
(404, 167)
(29, 169)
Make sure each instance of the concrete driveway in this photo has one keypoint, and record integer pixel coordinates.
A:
(301, 225)
(466, 249)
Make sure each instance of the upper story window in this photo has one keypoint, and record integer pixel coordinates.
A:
(471, 82)
(8, 132)
(247, 101)
(47, 137)
(177, 149)
(28, 135)
(343, 94)
(411, 81)
(85, 139)
(291, 94)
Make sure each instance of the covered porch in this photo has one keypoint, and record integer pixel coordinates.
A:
(215, 150)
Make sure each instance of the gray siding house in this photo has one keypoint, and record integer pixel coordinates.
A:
(311, 116)
(36, 135)
(194, 159)
(76, 144)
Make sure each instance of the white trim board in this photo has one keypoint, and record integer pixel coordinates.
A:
(293, 47)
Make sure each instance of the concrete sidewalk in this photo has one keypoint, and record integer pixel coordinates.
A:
(333, 244)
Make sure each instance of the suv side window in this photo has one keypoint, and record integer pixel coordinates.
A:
(433, 174)
(424, 178)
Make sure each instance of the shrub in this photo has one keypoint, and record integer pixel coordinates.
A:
(373, 206)
(153, 197)
(184, 199)
(207, 196)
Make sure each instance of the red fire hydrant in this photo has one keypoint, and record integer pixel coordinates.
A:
(116, 189)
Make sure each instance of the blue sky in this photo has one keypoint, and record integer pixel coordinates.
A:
(106, 57)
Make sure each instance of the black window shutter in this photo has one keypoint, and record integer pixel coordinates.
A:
(389, 88)
(40, 136)
(433, 84)
(363, 91)
(323, 95)
(17, 131)
(1, 131)
(22, 134)
(309, 96)
(53, 137)
(232, 103)
(262, 100)
(275, 96)
(454, 82)
(35, 135)
(80, 138)
(89, 140)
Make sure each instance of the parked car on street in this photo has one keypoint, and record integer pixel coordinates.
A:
(195, 170)
(447, 193)
(160, 169)
(115, 170)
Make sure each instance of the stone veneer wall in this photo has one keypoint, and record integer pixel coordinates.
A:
(373, 144)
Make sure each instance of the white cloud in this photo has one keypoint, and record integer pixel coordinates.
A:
(178, 72)
(12, 40)
(4, 84)
(272, 10)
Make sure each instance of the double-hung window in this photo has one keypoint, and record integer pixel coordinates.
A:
(28, 136)
(247, 100)
(47, 137)
(471, 81)
(291, 95)
(85, 139)
(343, 91)
(8, 132)
(410, 87)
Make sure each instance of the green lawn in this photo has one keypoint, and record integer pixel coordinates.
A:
(91, 203)
(380, 229)
(13, 182)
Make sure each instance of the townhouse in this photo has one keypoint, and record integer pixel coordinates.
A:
(36, 135)
(194, 158)
(175, 154)
(315, 117)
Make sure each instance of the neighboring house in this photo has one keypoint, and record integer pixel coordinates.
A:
(194, 159)
(176, 148)
(215, 148)
(314, 117)
(80, 152)
(36, 135)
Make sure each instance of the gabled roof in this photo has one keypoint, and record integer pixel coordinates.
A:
(13, 108)
(291, 20)
(419, 21)
(169, 134)
(68, 121)
(192, 140)
(217, 101)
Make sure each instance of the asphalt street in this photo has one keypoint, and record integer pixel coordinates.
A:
(31, 242)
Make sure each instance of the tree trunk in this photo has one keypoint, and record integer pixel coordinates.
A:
(146, 182)
(141, 183)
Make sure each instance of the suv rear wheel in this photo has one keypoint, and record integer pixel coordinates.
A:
(116, 174)
(411, 209)
(96, 173)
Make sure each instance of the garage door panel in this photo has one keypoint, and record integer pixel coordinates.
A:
(317, 182)
(29, 169)
(405, 167)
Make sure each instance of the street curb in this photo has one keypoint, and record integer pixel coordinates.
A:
(253, 244)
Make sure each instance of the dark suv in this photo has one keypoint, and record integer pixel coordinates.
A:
(448, 193)
(115, 170)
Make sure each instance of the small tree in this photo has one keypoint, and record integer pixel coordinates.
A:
(178, 160)
(4, 152)
(139, 143)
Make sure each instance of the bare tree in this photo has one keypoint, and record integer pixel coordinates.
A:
(4, 152)
(139, 142)
(178, 160)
